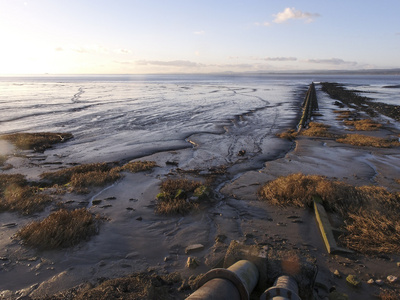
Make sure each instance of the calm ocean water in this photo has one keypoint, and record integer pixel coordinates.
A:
(131, 116)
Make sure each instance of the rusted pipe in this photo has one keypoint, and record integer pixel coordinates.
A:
(285, 288)
(234, 283)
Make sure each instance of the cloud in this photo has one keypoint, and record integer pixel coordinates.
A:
(291, 13)
(59, 49)
(262, 24)
(122, 51)
(280, 58)
(200, 32)
(172, 63)
(332, 61)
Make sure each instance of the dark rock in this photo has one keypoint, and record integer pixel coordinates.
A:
(96, 202)
(241, 153)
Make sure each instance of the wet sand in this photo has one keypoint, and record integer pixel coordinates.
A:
(135, 239)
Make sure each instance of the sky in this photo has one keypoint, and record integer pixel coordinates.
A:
(193, 36)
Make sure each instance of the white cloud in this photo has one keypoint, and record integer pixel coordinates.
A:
(280, 58)
(332, 61)
(172, 63)
(291, 13)
(200, 32)
(122, 51)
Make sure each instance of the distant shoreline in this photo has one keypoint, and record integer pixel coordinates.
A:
(389, 72)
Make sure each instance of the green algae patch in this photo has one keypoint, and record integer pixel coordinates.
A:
(175, 196)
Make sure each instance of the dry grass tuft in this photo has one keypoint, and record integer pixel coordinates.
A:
(290, 135)
(138, 166)
(368, 141)
(364, 125)
(79, 178)
(317, 130)
(133, 287)
(345, 114)
(84, 176)
(386, 294)
(36, 141)
(174, 196)
(371, 214)
(17, 195)
(299, 190)
(60, 229)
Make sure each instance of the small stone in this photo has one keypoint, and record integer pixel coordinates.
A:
(9, 225)
(106, 206)
(391, 278)
(167, 258)
(379, 282)
(193, 248)
(241, 153)
(111, 198)
(337, 274)
(130, 208)
(398, 264)
(139, 218)
(353, 280)
(249, 235)
(192, 263)
(371, 281)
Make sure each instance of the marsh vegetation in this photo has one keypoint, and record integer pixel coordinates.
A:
(371, 214)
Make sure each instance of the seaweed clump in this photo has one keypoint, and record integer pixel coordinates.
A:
(17, 195)
(175, 194)
(371, 214)
(61, 229)
(37, 142)
(80, 178)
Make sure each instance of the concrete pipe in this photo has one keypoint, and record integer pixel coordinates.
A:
(285, 288)
(234, 283)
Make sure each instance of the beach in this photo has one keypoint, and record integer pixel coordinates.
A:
(233, 146)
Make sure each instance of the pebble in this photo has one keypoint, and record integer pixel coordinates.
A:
(193, 248)
(139, 218)
(371, 281)
(9, 225)
(379, 282)
(398, 264)
(337, 274)
(353, 280)
(392, 278)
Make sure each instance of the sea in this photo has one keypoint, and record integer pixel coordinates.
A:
(122, 117)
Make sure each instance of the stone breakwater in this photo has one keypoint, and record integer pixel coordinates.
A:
(353, 100)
